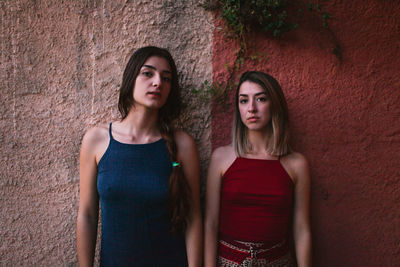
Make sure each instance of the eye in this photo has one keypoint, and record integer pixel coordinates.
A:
(261, 99)
(243, 101)
(166, 79)
(147, 73)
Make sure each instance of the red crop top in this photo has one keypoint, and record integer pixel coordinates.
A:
(256, 201)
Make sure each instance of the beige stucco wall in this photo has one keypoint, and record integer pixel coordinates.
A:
(61, 66)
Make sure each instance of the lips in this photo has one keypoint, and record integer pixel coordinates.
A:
(253, 119)
(154, 93)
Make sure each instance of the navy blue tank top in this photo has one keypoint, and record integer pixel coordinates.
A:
(132, 183)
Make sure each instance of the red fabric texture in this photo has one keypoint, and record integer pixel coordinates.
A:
(256, 201)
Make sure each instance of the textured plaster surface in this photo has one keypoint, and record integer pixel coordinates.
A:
(345, 117)
(61, 67)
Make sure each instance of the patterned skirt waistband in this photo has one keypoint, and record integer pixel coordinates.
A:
(249, 247)
(239, 253)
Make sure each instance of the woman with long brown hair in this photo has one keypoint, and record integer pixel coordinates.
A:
(144, 174)
(258, 189)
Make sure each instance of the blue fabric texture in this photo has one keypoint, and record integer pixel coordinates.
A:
(132, 183)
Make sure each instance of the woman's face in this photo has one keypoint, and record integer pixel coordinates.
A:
(153, 83)
(254, 106)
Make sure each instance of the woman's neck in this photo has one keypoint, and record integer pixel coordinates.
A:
(259, 140)
(140, 125)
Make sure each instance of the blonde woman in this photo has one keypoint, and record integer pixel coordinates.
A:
(258, 189)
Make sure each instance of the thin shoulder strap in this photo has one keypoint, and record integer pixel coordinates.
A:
(109, 131)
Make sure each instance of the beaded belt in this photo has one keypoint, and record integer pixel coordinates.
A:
(238, 253)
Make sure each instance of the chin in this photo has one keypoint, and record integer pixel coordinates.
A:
(156, 105)
(253, 127)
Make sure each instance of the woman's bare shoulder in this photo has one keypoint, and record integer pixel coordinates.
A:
(184, 140)
(95, 142)
(223, 152)
(296, 160)
(223, 157)
(296, 165)
(96, 134)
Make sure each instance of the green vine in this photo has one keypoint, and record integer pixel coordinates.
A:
(273, 17)
(216, 91)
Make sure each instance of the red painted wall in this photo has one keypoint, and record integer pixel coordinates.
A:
(345, 117)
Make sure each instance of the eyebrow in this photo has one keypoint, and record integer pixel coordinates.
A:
(154, 68)
(257, 94)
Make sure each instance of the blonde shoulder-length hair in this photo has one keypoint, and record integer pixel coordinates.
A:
(278, 141)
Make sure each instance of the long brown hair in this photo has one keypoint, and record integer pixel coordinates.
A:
(179, 190)
(278, 144)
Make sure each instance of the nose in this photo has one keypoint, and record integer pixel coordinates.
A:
(157, 80)
(252, 106)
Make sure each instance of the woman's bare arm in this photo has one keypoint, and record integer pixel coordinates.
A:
(87, 219)
(301, 225)
(220, 159)
(188, 156)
